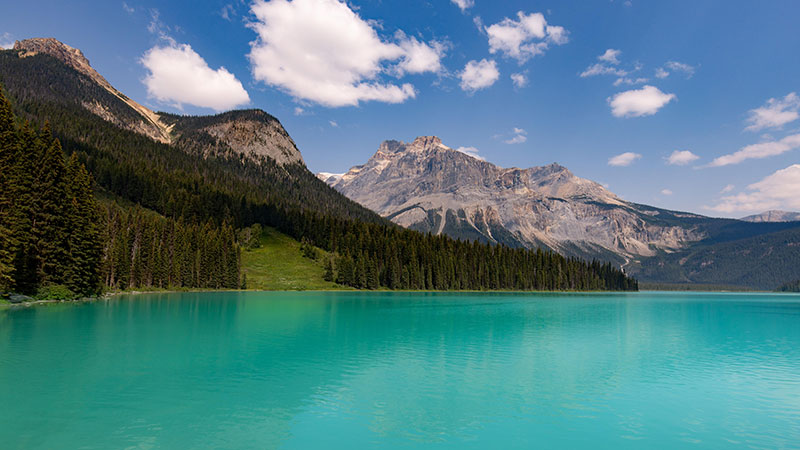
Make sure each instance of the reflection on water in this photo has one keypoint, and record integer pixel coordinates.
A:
(397, 370)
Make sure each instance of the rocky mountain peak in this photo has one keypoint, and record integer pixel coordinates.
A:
(57, 49)
(150, 124)
(426, 143)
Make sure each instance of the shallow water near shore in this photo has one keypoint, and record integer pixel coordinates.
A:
(403, 370)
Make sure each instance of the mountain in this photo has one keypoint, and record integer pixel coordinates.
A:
(773, 216)
(427, 186)
(176, 191)
(251, 133)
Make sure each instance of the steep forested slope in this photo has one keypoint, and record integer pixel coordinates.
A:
(204, 184)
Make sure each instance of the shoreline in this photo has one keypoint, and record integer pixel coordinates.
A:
(110, 295)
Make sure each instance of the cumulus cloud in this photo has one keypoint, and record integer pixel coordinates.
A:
(759, 151)
(666, 192)
(128, 9)
(639, 102)
(178, 75)
(526, 37)
(333, 123)
(610, 56)
(682, 158)
(624, 159)
(775, 113)
(479, 75)
(323, 52)
(776, 191)
(728, 188)
(464, 5)
(661, 73)
(520, 80)
(520, 136)
(471, 151)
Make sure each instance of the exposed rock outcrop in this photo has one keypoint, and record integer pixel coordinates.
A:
(428, 186)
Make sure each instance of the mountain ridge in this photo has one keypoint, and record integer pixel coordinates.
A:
(251, 133)
(429, 186)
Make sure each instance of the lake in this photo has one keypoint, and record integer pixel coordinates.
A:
(403, 370)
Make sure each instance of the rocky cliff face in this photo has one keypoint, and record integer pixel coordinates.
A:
(252, 133)
(256, 138)
(428, 186)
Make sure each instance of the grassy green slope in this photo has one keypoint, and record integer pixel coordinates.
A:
(278, 265)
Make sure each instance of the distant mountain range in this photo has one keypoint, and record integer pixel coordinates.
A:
(427, 186)
(773, 216)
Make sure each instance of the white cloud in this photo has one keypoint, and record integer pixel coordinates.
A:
(639, 102)
(624, 159)
(776, 191)
(630, 81)
(479, 75)
(464, 5)
(322, 51)
(298, 111)
(728, 188)
(227, 12)
(127, 8)
(775, 113)
(333, 123)
(602, 69)
(524, 38)
(520, 136)
(6, 41)
(177, 74)
(520, 80)
(471, 151)
(676, 66)
(682, 158)
(610, 56)
(419, 57)
(666, 192)
(759, 151)
(661, 73)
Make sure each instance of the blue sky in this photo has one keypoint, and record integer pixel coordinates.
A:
(610, 89)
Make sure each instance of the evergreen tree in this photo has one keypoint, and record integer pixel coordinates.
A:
(84, 222)
(8, 153)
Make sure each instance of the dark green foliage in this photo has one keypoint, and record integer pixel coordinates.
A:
(250, 237)
(199, 180)
(794, 286)
(328, 276)
(770, 259)
(145, 250)
(49, 222)
(308, 250)
(55, 292)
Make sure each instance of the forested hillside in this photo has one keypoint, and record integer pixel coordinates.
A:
(772, 258)
(203, 196)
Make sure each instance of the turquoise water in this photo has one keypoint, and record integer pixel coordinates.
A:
(398, 370)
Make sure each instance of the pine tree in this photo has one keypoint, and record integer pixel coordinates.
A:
(8, 152)
(328, 276)
(50, 233)
(84, 221)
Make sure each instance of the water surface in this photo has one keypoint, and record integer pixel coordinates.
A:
(400, 370)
